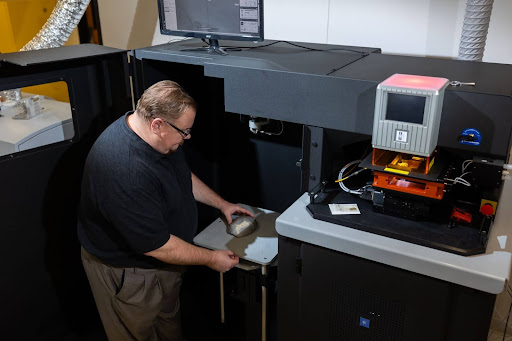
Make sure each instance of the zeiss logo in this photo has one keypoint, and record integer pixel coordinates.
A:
(364, 322)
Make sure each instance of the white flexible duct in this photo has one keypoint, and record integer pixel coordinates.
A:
(56, 31)
(474, 29)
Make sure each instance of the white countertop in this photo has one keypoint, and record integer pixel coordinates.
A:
(487, 272)
(16, 131)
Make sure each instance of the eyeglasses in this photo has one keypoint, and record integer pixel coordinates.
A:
(185, 133)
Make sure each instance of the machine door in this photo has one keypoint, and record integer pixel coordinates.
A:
(75, 92)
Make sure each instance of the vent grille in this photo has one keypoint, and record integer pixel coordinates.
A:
(349, 305)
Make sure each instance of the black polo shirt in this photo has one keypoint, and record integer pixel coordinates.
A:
(133, 198)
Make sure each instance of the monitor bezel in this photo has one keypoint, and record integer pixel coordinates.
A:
(212, 36)
(426, 109)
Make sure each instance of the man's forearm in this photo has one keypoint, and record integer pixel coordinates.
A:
(205, 194)
(178, 251)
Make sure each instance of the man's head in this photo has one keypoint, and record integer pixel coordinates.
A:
(169, 113)
(165, 99)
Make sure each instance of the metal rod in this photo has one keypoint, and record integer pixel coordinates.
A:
(222, 316)
(263, 304)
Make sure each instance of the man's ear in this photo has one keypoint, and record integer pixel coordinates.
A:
(156, 125)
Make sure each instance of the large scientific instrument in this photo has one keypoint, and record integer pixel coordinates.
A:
(412, 189)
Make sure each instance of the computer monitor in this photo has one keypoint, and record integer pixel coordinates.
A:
(408, 113)
(212, 20)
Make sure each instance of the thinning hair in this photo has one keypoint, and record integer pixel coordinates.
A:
(165, 99)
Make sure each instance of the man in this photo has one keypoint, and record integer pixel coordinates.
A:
(138, 216)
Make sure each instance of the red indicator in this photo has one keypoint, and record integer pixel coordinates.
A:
(487, 209)
(415, 82)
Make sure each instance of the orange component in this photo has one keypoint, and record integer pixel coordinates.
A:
(386, 158)
(408, 185)
(461, 215)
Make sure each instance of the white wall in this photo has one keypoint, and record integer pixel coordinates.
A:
(286, 20)
(395, 26)
(128, 24)
(499, 39)
(423, 27)
(408, 27)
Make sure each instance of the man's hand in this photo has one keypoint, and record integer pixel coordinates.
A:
(228, 209)
(223, 260)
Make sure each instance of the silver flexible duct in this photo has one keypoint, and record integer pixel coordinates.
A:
(56, 31)
(474, 29)
(59, 26)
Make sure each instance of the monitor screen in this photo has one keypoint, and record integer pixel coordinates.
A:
(212, 19)
(405, 108)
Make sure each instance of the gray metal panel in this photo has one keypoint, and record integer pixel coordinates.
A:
(290, 84)
(388, 134)
(416, 142)
(259, 247)
(488, 272)
(491, 115)
(322, 101)
(57, 54)
(421, 138)
(315, 156)
(170, 56)
(259, 82)
(486, 106)
(268, 55)
(490, 78)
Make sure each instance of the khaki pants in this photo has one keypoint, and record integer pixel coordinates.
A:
(134, 303)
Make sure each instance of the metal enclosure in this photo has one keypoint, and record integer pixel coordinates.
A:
(324, 96)
(257, 170)
(45, 292)
(418, 138)
(332, 96)
(324, 294)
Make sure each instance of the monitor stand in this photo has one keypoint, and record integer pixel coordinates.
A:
(213, 47)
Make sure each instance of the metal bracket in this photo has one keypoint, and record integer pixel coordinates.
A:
(317, 189)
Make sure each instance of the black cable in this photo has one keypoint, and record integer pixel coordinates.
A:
(260, 46)
(312, 49)
(506, 323)
(339, 68)
(293, 44)
(240, 48)
(509, 291)
(335, 49)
